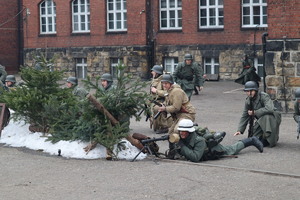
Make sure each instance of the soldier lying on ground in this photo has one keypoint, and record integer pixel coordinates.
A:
(197, 148)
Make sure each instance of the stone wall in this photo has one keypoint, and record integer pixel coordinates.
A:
(98, 59)
(283, 70)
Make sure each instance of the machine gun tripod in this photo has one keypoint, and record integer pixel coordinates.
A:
(147, 146)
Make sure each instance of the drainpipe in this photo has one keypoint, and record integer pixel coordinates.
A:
(282, 58)
(20, 35)
(264, 44)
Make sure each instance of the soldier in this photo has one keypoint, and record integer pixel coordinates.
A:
(107, 82)
(10, 82)
(72, 82)
(248, 73)
(160, 124)
(268, 120)
(3, 74)
(189, 74)
(194, 147)
(176, 103)
(297, 110)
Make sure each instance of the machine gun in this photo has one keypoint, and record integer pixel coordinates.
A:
(147, 143)
(251, 120)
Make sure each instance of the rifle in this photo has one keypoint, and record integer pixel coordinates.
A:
(158, 104)
(146, 144)
(251, 120)
(298, 128)
(147, 113)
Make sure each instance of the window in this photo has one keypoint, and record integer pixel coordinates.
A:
(211, 66)
(114, 62)
(254, 13)
(116, 15)
(211, 14)
(258, 64)
(170, 15)
(81, 68)
(170, 64)
(81, 16)
(47, 17)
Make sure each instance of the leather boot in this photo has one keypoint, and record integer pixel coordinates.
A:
(253, 141)
(219, 136)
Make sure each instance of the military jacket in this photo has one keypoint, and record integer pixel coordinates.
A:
(80, 92)
(296, 111)
(160, 92)
(177, 102)
(3, 73)
(188, 76)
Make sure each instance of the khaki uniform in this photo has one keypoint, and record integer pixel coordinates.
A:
(267, 122)
(188, 76)
(178, 105)
(161, 122)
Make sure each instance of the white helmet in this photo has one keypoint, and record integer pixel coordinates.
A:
(186, 125)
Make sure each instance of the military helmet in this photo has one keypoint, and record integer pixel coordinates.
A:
(297, 94)
(107, 77)
(186, 125)
(72, 80)
(251, 85)
(158, 69)
(188, 56)
(10, 78)
(167, 78)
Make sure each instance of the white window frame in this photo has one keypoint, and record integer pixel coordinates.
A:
(258, 66)
(168, 9)
(81, 65)
(213, 12)
(47, 17)
(116, 15)
(213, 64)
(81, 17)
(170, 64)
(113, 65)
(251, 5)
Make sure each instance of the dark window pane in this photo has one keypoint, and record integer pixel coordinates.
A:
(203, 22)
(256, 20)
(246, 11)
(246, 20)
(256, 10)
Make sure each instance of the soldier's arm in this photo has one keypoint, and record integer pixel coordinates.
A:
(198, 73)
(244, 119)
(268, 106)
(177, 103)
(196, 153)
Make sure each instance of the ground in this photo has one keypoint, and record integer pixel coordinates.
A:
(274, 174)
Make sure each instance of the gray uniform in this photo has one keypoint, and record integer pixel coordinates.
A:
(267, 122)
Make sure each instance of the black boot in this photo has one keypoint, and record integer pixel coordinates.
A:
(253, 141)
(219, 136)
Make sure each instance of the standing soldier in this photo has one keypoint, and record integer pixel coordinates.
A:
(72, 82)
(189, 74)
(248, 73)
(3, 74)
(160, 124)
(177, 104)
(259, 105)
(107, 82)
(297, 111)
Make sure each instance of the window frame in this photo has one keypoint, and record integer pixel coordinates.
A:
(47, 16)
(177, 11)
(173, 64)
(263, 5)
(213, 65)
(113, 70)
(217, 8)
(115, 12)
(79, 14)
(83, 65)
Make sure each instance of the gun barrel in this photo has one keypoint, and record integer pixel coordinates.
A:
(156, 115)
(166, 137)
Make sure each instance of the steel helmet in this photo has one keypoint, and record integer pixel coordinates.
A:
(251, 85)
(188, 56)
(107, 77)
(158, 69)
(72, 80)
(10, 78)
(297, 94)
(167, 78)
(186, 125)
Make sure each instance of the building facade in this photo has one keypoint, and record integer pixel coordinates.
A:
(11, 35)
(90, 37)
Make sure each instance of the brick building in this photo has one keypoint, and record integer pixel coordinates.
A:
(11, 35)
(90, 37)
